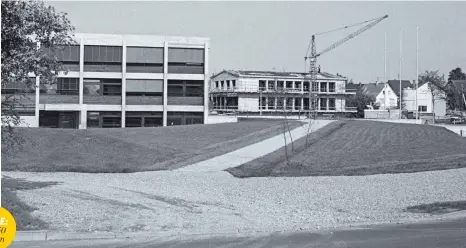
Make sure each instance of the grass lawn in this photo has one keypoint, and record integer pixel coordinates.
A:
(438, 207)
(20, 210)
(133, 149)
(364, 148)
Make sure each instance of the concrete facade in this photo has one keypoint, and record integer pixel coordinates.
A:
(162, 104)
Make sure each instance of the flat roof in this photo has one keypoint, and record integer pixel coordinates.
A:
(139, 40)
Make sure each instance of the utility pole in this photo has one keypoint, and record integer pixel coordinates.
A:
(417, 68)
(401, 60)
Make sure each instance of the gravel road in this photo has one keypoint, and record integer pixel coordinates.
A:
(183, 202)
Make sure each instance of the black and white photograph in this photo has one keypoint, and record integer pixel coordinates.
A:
(230, 124)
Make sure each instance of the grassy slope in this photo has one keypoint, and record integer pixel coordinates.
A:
(20, 210)
(133, 149)
(364, 148)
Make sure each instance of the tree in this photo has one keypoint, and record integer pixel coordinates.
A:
(454, 95)
(25, 24)
(456, 74)
(360, 101)
(436, 84)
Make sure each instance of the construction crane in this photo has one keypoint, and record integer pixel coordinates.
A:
(314, 55)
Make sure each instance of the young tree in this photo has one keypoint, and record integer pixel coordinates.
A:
(436, 84)
(360, 100)
(25, 24)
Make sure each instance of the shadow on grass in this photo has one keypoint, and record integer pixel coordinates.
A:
(438, 207)
(20, 210)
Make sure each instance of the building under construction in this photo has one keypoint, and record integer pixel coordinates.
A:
(270, 93)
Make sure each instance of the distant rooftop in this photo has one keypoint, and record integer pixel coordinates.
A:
(274, 74)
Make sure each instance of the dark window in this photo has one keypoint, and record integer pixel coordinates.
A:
(216, 84)
(306, 86)
(185, 88)
(261, 84)
(323, 103)
(68, 86)
(194, 90)
(289, 84)
(175, 90)
(186, 60)
(111, 122)
(271, 85)
(153, 121)
(144, 59)
(93, 119)
(280, 85)
(184, 118)
(323, 87)
(109, 87)
(233, 82)
(331, 87)
(422, 108)
(144, 94)
(262, 102)
(306, 103)
(102, 58)
(271, 102)
(297, 85)
(222, 83)
(331, 103)
(133, 122)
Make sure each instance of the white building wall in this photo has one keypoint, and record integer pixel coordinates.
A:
(248, 103)
(340, 104)
(391, 99)
(424, 99)
(248, 84)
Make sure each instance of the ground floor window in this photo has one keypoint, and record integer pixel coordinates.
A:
(108, 119)
(144, 119)
(422, 108)
(59, 119)
(184, 118)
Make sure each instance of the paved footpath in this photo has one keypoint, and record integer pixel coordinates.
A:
(257, 150)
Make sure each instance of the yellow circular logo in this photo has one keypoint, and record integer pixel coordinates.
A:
(7, 228)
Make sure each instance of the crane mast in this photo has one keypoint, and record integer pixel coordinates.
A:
(313, 57)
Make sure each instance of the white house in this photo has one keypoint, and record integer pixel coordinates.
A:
(386, 94)
(424, 100)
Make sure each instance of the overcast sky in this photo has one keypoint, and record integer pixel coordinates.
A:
(275, 35)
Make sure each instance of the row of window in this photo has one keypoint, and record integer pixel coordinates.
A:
(280, 101)
(134, 87)
(142, 119)
(277, 85)
(228, 83)
(138, 59)
(112, 119)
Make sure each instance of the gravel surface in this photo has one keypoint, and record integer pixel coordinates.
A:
(184, 202)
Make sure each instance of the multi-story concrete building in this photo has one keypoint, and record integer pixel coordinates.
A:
(123, 81)
(268, 92)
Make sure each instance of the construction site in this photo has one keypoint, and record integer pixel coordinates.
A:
(313, 93)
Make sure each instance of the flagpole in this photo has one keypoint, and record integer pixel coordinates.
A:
(401, 59)
(417, 68)
(385, 72)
